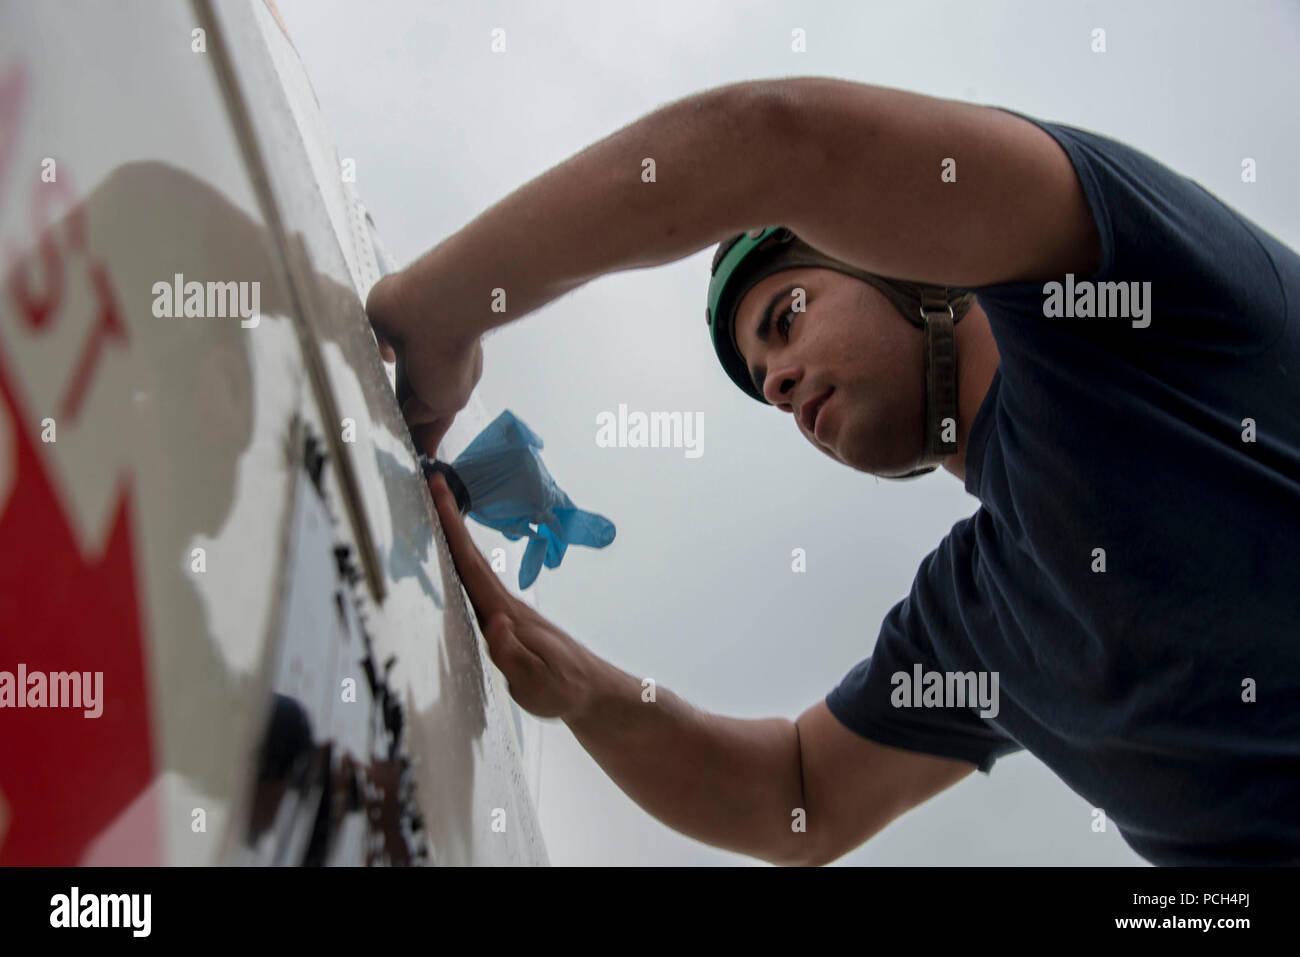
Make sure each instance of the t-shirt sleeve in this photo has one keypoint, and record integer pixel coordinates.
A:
(1213, 282)
(863, 700)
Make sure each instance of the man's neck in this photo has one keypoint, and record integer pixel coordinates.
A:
(977, 361)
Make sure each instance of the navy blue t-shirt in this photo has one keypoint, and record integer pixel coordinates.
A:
(1133, 684)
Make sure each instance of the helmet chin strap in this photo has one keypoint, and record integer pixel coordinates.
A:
(940, 385)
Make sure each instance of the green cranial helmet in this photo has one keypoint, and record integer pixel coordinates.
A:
(746, 259)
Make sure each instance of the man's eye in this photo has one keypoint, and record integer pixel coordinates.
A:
(786, 330)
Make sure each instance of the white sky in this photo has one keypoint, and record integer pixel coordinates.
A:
(697, 591)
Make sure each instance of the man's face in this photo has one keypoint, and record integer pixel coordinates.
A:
(849, 342)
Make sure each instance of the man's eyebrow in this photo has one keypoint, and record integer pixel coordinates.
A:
(764, 329)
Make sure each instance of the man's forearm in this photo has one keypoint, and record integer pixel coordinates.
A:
(595, 214)
(728, 782)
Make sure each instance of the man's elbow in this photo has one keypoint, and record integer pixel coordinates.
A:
(802, 848)
(803, 854)
(797, 856)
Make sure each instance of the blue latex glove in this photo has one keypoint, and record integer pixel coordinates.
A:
(510, 490)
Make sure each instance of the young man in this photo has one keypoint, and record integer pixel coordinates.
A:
(1105, 354)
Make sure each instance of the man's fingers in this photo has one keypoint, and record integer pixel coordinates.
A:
(427, 426)
(429, 436)
(417, 412)
(486, 593)
(386, 349)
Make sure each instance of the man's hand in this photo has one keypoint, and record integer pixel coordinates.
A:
(548, 673)
(437, 364)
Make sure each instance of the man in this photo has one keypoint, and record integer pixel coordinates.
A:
(1104, 353)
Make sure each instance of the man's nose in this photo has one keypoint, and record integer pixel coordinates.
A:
(779, 388)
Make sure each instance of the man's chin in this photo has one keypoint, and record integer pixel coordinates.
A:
(829, 452)
(863, 460)
(872, 465)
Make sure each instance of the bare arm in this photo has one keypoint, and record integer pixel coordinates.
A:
(855, 787)
(855, 169)
(736, 783)
(595, 213)
(728, 782)
(861, 180)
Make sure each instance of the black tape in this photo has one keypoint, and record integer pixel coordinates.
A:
(454, 482)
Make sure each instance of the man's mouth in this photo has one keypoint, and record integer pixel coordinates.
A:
(808, 414)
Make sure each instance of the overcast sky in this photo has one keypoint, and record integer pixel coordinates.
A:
(697, 590)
